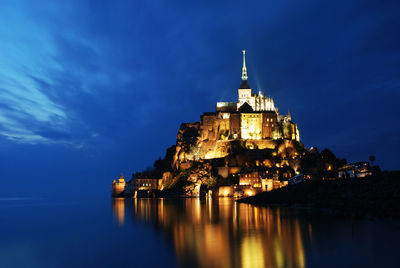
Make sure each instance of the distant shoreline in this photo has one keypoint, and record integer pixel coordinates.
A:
(375, 196)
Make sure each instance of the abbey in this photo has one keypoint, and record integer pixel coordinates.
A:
(253, 121)
(253, 117)
(240, 149)
(247, 141)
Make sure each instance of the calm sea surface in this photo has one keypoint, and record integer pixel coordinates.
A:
(187, 233)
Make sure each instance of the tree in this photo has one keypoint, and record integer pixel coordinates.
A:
(328, 155)
(372, 159)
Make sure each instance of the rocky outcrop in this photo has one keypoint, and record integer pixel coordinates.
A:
(195, 162)
(186, 141)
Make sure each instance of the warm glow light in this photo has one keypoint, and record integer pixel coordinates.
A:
(249, 192)
(225, 191)
(209, 238)
(251, 125)
(225, 116)
(119, 210)
(222, 104)
(252, 252)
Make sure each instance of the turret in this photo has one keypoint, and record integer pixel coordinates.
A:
(118, 188)
(244, 91)
(121, 179)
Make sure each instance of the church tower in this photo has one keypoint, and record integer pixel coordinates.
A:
(245, 90)
(257, 102)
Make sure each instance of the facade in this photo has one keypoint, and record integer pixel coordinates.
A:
(265, 179)
(147, 184)
(252, 117)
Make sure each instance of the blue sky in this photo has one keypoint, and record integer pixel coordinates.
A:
(92, 89)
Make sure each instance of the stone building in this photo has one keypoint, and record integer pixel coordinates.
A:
(118, 187)
(147, 184)
(265, 179)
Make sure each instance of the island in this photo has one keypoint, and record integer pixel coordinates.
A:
(242, 149)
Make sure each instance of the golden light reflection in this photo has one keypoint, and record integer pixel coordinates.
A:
(118, 207)
(252, 252)
(217, 232)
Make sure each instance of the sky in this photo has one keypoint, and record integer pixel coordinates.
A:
(93, 89)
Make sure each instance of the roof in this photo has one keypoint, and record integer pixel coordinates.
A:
(208, 113)
(245, 108)
(244, 85)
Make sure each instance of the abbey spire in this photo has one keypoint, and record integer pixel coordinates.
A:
(244, 69)
(244, 84)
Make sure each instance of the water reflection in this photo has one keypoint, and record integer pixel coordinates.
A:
(222, 233)
(118, 208)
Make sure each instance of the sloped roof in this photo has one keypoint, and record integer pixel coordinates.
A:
(244, 85)
(245, 108)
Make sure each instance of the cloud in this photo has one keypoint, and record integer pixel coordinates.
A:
(24, 104)
(44, 75)
(112, 74)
